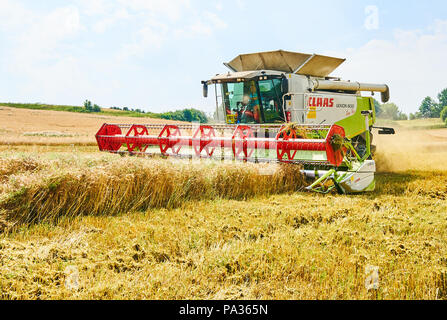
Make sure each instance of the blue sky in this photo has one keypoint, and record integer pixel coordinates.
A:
(152, 54)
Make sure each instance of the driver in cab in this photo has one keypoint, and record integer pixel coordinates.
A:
(250, 107)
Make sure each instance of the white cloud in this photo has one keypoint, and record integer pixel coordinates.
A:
(40, 51)
(440, 26)
(95, 7)
(110, 20)
(42, 38)
(219, 6)
(413, 64)
(240, 4)
(171, 9)
(39, 37)
(217, 22)
(202, 25)
(13, 15)
(59, 23)
(63, 53)
(150, 36)
(162, 23)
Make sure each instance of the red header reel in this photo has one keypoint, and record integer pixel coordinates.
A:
(242, 141)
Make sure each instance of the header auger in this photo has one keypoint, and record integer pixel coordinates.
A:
(274, 107)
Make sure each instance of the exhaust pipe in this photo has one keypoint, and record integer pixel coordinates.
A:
(353, 86)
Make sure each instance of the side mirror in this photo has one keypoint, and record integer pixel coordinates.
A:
(383, 130)
(205, 90)
(284, 85)
(387, 131)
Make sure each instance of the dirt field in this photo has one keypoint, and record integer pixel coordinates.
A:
(257, 242)
(412, 150)
(40, 127)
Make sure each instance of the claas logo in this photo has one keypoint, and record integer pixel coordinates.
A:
(321, 102)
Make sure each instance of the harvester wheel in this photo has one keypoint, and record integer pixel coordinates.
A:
(108, 144)
(207, 133)
(166, 142)
(286, 133)
(242, 133)
(136, 131)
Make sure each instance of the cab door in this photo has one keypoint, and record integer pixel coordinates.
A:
(270, 92)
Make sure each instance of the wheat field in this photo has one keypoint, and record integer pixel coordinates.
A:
(27, 127)
(77, 224)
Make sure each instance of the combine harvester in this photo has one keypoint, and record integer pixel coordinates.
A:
(275, 106)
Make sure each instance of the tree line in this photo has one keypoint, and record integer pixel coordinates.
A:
(188, 115)
(389, 111)
(429, 108)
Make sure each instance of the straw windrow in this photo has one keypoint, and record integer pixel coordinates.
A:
(70, 189)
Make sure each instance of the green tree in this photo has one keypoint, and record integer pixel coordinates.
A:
(96, 108)
(442, 97)
(199, 116)
(389, 111)
(187, 114)
(437, 108)
(443, 114)
(377, 108)
(91, 108)
(88, 106)
(429, 108)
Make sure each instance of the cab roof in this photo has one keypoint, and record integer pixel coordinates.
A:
(285, 61)
(230, 76)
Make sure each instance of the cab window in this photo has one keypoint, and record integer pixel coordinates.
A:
(241, 102)
(271, 100)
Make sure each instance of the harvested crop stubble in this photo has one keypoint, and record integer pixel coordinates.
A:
(126, 185)
(290, 246)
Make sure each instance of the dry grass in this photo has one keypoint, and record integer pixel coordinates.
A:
(298, 246)
(76, 186)
(91, 226)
